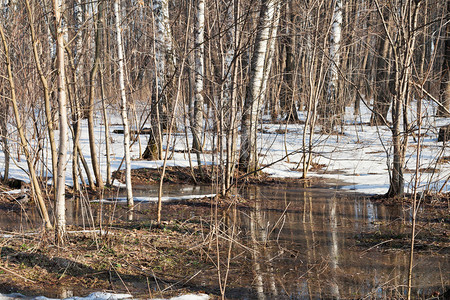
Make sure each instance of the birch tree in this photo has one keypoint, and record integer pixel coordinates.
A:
(332, 105)
(63, 130)
(199, 74)
(123, 107)
(255, 92)
(4, 111)
(4, 107)
(231, 117)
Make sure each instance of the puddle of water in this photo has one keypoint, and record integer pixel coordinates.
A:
(302, 241)
(79, 212)
(305, 246)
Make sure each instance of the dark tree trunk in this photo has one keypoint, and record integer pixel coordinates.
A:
(382, 100)
(444, 94)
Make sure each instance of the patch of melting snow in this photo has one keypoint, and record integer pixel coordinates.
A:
(20, 235)
(15, 192)
(100, 296)
(362, 151)
(155, 199)
(189, 297)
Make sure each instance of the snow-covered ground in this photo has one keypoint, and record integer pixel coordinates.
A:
(359, 157)
(100, 296)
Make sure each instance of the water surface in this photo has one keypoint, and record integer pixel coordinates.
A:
(303, 242)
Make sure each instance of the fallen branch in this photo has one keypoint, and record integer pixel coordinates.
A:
(14, 273)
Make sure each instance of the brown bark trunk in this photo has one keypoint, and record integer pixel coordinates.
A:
(382, 101)
(444, 94)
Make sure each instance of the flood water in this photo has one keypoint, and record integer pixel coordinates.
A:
(303, 243)
(311, 247)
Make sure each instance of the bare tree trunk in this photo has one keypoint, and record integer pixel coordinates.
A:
(444, 94)
(123, 107)
(75, 128)
(332, 110)
(171, 123)
(248, 160)
(107, 137)
(199, 74)
(164, 62)
(231, 123)
(91, 104)
(101, 39)
(271, 49)
(4, 114)
(73, 94)
(63, 130)
(403, 50)
(314, 71)
(48, 110)
(382, 101)
(23, 140)
(287, 88)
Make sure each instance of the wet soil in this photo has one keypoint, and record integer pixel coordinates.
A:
(183, 175)
(432, 227)
(138, 257)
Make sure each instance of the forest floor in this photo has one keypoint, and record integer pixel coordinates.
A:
(161, 260)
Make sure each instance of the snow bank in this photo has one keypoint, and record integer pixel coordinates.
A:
(100, 296)
(92, 296)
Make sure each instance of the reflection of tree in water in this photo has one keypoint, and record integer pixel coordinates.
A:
(334, 255)
(310, 249)
(309, 232)
(263, 270)
(268, 249)
(256, 235)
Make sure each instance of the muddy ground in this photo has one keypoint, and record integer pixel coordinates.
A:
(179, 255)
(138, 257)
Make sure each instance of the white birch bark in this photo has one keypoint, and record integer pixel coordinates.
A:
(255, 233)
(164, 46)
(199, 74)
(229, 92)
(334, 55)
(334, 245)
(63, 130)
(271, 49)
(123, 107)
(257, 85)
(78, 16)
